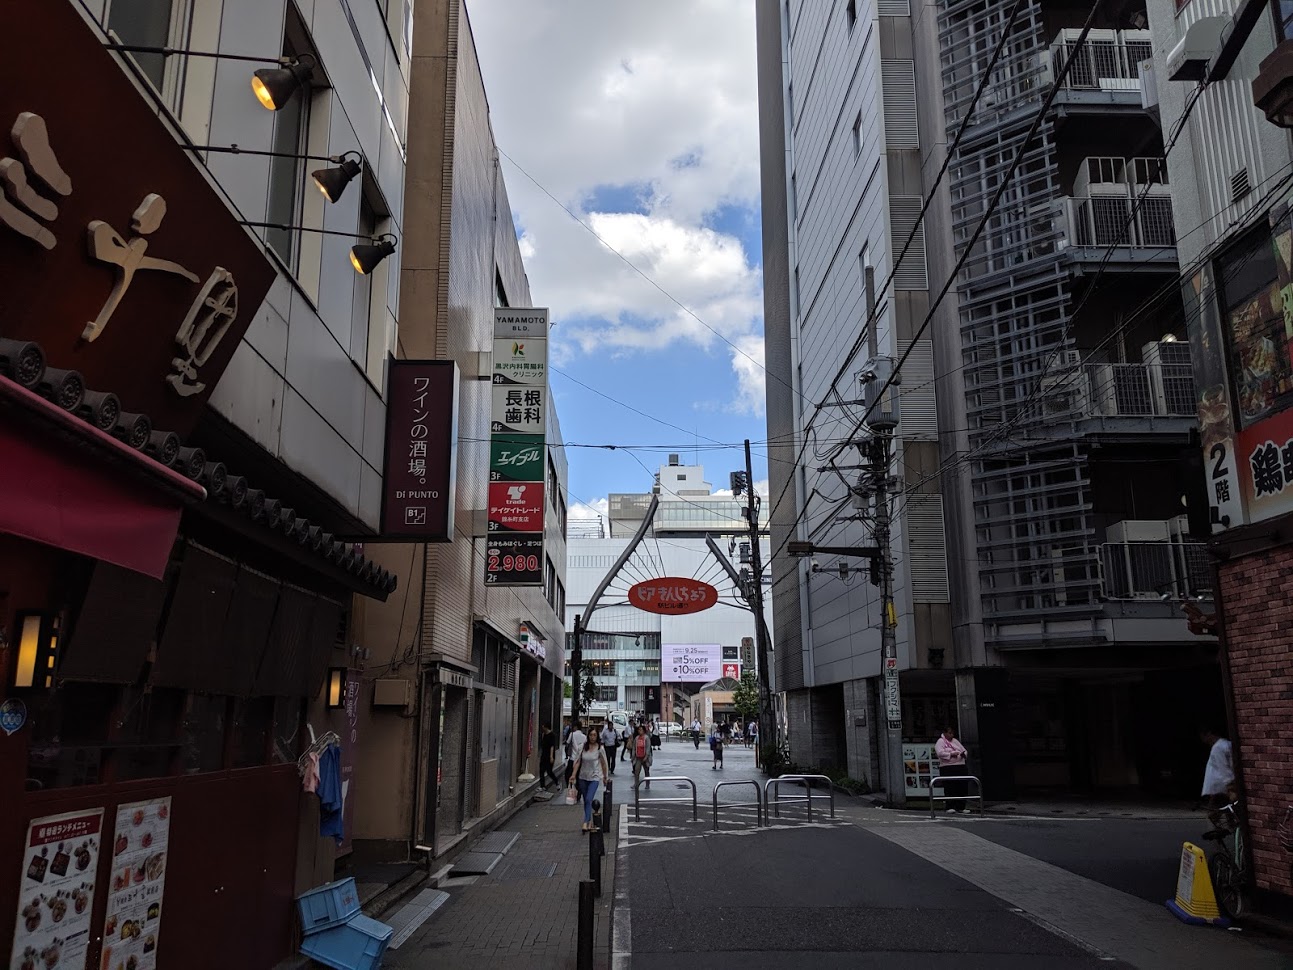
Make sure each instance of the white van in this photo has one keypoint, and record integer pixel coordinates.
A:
(619, 722)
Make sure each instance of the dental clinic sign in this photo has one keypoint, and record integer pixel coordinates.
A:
(517, 499)
(124, 264)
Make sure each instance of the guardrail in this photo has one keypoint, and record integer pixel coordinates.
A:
(757, 803)
(943, 780)
(637, 795)
(807, 798)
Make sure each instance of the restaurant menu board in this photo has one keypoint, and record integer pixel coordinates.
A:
(132, 922)
(56, 892)
(919, 765)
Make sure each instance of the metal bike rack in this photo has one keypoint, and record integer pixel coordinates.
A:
(757, 803)
(637, 799)
(944, 779)
(806, 798)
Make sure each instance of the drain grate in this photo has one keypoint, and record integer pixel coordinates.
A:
(498, 842)
(533, 869)
(475, 863)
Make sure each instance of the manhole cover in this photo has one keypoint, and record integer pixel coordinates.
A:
(533, 869)
(498, 842)
(475, 863)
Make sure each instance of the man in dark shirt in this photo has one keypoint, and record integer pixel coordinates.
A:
(547, 753)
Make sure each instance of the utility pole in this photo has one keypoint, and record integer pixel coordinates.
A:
(576, 662)
(767, 722)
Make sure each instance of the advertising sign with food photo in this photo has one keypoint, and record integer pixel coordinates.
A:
(56, 891)
(133, 920)
(1266, 466)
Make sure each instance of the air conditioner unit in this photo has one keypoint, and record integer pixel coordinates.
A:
(1101, 175)
(1171, 353)
(1139, 530)
(1104, 390)
(1171, 377)
(1063, 394)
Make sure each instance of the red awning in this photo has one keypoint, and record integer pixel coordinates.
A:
(66, 484)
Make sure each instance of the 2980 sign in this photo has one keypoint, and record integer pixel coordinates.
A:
(515, 560)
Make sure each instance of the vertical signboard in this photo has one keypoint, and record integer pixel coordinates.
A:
(421, 451)
(517, 446)
(892, 698)
(56, 890)
(132, 922)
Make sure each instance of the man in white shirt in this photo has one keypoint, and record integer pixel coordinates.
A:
(609, 740)
(1219, 775)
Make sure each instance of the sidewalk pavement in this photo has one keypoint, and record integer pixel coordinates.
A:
(525, 913)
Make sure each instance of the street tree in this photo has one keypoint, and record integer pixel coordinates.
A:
(746, 697)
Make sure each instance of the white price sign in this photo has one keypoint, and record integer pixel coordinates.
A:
(690, 663)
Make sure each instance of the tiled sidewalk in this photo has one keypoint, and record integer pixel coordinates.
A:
(525, 913)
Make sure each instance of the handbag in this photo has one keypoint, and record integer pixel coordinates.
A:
(571, 796)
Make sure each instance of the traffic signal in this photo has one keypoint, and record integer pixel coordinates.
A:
(738, 483)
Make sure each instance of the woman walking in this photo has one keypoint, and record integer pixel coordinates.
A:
(642, 756)
(590, 773)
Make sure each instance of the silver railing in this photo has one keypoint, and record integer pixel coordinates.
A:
(637, 795)
(944, 780)
(1106, 220)
(1108, 61)
(807, 798)
(757, 804)
(1179, 569)
(1119, 391)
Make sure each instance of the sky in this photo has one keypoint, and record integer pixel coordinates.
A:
(640, 121)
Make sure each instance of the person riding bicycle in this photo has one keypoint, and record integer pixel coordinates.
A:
(1219, 774)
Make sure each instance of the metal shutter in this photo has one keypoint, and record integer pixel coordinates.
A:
(899, 84)
(918, 417)
(911, 274)
(926, 549)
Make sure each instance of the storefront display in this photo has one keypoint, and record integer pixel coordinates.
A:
(137, 881)
(60, 860)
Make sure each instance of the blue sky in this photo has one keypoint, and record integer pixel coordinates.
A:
(648, 135)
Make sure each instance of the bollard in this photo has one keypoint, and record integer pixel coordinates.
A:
(596, 849)
(585, 944)
(607, 808)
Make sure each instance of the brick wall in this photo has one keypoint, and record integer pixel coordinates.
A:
(1257, 592)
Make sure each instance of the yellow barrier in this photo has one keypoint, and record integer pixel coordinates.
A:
(1195, 902)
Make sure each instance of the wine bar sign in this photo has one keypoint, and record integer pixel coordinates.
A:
(421, 444)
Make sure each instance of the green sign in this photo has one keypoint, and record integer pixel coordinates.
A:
(516, 458)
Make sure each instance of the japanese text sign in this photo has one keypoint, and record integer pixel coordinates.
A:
(1264, 452)
(690, 663)
(125, 264)
(515, 506)
(673, 595)
(418, 482)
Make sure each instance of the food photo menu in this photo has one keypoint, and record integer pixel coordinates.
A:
(136, 881)
(56, 893)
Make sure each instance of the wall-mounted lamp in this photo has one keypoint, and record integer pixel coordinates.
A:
(37, 651)
(273, 86)
(364, 257)
(336, 688)
(330, 181)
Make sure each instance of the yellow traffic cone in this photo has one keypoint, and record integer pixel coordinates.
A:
(1195, 902)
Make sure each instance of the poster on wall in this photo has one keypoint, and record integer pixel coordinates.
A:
(56, 890)
(132, 921)
(691, 663)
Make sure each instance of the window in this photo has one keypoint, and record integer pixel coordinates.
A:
(361, 301)
(500, 291)
(286, 175)
(794, 198)
(857, 134)
(372, 327)
(851, 13)
(153, 23)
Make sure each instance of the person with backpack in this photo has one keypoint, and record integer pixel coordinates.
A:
(716, 746)
(642, 755)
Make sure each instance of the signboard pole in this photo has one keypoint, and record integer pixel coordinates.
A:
(888, 626)
(767, 722)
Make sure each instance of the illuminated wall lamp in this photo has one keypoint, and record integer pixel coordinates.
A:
(336, 688)
(364, 257)
(330, 181)
(272, 86)
(37, 651)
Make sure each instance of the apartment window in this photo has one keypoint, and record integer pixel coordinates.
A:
(857, 135)
(361, 303)
(851, 13)
(287, 175)
(153, 23)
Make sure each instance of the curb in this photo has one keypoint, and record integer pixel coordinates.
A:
(394, 894)
(1267, 924)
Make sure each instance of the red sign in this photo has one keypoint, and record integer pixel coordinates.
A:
(673, 595)
(732, 670)
(1264, 452)
(120, 258)
(421, 441)
(514, 560)
(516, 506)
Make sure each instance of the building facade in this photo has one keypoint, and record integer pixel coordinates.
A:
(622, 648)
(192, 456)
(1041, 568)
(461, 674)
(1231, 177)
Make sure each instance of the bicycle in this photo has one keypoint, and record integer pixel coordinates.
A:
(1228, 865)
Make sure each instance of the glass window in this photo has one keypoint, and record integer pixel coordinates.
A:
(291, 123)
(68, 726)
(361, 302)
(287, 730)
(147, 733)
(152, 23)
(252, 725)
(202, 734)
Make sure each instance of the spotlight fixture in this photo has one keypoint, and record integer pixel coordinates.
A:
(333, 181)
(274, 86)
(364, 257)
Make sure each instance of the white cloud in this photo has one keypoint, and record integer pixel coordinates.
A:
(597, 509)
(657, 100)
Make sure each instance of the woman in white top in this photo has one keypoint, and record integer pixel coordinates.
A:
(590, 772)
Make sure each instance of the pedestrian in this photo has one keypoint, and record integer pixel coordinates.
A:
(609, 740)
(655, 734)
(695, 732)
(642, 756)
(590, 774)
(626, 734)
(574, 745)
(716, 746)
(547, 755)
(951, 764)
(1219, 775)
(754, 733)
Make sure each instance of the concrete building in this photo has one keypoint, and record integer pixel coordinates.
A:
(1040, 564)
(456, 687)
(623, 646)
(1230, 176)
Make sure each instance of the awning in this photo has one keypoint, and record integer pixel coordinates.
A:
(67, 484)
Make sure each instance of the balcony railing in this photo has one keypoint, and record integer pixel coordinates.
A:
(1108, 61)
(1121, 391)
(1100, 221)
(1155, 570)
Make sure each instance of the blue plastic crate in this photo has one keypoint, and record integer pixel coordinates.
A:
(327, 906)
(357, 944)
